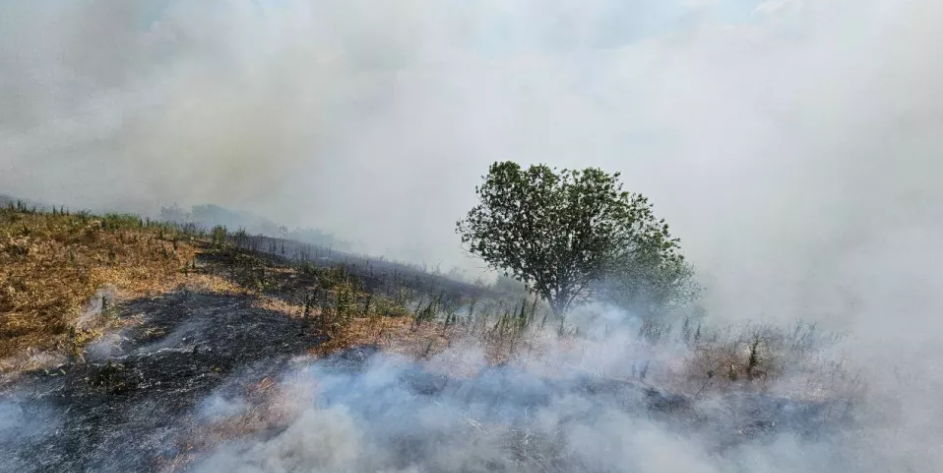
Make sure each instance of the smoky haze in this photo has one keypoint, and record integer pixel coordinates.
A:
(790, 143)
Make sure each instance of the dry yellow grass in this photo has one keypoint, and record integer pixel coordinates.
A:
(391, 334)
(55, 268)
(50, 265)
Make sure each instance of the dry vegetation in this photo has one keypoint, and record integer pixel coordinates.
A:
(62, 277)
(795, 362)
(52, 264)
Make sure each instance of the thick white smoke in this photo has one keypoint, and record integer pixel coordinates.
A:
(787, 141)
(791, 143)
(562, 410)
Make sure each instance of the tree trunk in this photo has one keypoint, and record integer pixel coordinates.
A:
(556, 305)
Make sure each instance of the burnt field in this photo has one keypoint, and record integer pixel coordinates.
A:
(127, 406)
(142, 400)
(376, 273)
(259, 354)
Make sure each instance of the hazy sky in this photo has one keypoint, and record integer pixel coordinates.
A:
(791, 144)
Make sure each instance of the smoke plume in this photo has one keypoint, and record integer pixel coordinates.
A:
(786, 141)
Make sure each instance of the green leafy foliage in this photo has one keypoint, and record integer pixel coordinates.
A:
(571, 234)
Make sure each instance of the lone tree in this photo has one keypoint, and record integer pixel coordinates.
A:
(571, 234)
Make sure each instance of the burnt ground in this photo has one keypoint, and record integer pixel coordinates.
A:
(376, 273)
(128, 406)
(120, 411)
(721, 422)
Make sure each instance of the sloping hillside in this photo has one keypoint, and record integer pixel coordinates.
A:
(129, 345)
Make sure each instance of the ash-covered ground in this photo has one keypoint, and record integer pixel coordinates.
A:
(149, 398)
(124, 409)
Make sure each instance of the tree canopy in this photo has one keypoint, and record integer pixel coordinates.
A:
(571, 234)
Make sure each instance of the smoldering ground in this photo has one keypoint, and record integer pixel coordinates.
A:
(212, 382)
(582, 406)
